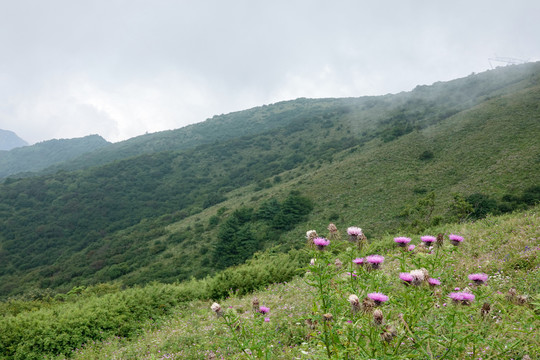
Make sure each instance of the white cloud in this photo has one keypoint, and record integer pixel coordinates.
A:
(122, 68)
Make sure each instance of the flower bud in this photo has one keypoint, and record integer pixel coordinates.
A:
(378, 317)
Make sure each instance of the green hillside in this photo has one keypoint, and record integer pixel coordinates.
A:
(44, 154)
(257, 179)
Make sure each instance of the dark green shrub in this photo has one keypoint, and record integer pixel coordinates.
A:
(426, 155)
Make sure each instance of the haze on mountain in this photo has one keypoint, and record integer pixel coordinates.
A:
(119, 69)
(28, 159)
(9, 140)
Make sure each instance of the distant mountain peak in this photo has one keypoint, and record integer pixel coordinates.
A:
(10, 140)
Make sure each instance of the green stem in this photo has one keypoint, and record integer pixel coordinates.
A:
(235, 336)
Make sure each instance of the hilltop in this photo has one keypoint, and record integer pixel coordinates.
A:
(10, 140)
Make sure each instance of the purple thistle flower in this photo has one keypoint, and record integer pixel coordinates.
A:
(478, 278)
(374, 260)
(464, 298)
(378, 297)
(428, 239)
(321, 243)
(402, 241)
(406, 277)
(354, 233)
(411, 247)
(455, 239)
(434, 282)
(264, 310)
(353, 230)
(359, 261)
(266, 319)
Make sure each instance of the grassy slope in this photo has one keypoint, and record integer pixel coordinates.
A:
(507, 248)
(380, 180)
(370, 187)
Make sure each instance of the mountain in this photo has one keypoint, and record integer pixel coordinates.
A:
(47, 153)
(9, 140)
(185, 203)
(392, 115)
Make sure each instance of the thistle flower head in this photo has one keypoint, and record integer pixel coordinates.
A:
(434, 282)
(478, 278)
(355, 303)
(402, 241)
(374, 259)
(353, 299)
(338, 264)
(418, 276)
(358, 261)
(462, 297)
(328, 317)
(378, 317)
(378, 298)
(428, 239)
(311, 234)
(332, 228)
(455, 239)
(321, 243)
(217, 309)
(411, 247)
(264, 310)
(255, 304)
(367, 304)
(353, 230)
(389, 333)
(406, 277)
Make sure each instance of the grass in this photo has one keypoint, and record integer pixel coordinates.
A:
(506, 248)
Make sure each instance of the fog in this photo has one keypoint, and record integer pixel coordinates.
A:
(123, 68)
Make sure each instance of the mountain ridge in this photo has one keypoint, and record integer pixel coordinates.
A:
(30, 159)
(10, 140)
(271, 116)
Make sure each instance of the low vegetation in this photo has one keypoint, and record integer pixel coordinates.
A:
(313, 315)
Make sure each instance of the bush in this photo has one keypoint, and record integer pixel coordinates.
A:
(426, 155)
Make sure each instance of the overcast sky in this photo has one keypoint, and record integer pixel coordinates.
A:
(120, 68)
